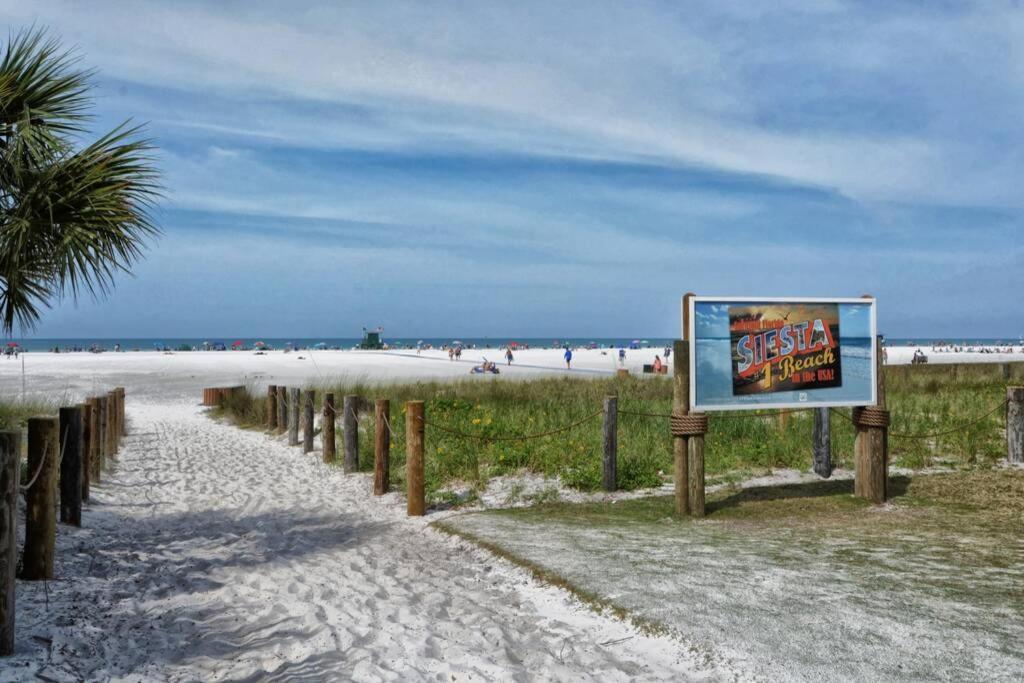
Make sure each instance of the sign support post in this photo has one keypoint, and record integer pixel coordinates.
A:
(681, 406)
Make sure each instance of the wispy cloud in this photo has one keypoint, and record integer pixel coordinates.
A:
(651, 147)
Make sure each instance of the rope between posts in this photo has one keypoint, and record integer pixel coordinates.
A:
(716, 416)
(932, 435)
(523, 437)
(42, 461)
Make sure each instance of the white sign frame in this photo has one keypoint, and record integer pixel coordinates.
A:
(688, 307)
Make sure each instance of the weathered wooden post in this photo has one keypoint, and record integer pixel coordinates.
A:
(1015, 424)
(1007, 371)
(10, 455)
(309, 399)
(611, 443)
(871, 447)
(681, 406)
(414, 433)
(327, 428)
(122, 422)
(40, 508)
(86, 445)
(111, 427)
(272, 407)
(282, 409)
(822, 457)
(351, 433)
(115, 416)
(71, 465)
(293, 416)
(381, 447)
(95, 442)
(101, 433)
(691, 425)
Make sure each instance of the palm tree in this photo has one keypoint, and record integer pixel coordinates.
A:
(71, 216)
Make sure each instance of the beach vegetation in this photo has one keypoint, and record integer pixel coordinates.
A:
(472, 425)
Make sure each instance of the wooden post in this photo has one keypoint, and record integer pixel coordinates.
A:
(381, 447)
(611, 442)
(681, 405)
(40, 505)
(327, 428)
(118, 420)
(272, 407)
(695, 443)
(86, 453)
(414, 433)
(71, 465)
(101, 433)
(293, 416)
(783, 421)
(871, 448)
(10, 455)
(1015, 424)
(95, 443)
(309, 399)
(282, 409)
(111, 426)
(822, 456)
(351, 433)
(1007, 372)
(122, 423)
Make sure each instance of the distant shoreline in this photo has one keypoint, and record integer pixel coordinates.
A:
(176, 343)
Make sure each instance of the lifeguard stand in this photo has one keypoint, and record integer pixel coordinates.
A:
(371, 338)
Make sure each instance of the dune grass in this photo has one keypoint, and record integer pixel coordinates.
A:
(923, 399)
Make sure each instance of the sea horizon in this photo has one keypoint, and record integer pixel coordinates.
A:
(199, 342)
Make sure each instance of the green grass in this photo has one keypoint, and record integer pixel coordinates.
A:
(922, 399)
(993, 498)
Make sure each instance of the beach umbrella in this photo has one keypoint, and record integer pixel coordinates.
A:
(321, 345)
(260, 344)
(235, 344)
(11, 345)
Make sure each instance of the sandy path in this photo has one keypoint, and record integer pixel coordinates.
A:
(220, 554)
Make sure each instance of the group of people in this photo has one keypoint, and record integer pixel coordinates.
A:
(454, 352)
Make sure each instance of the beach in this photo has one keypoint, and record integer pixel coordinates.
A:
(211, 552)
(183, 374)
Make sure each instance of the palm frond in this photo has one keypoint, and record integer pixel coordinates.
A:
(70, 220)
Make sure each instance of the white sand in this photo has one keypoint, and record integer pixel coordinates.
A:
(902, 355)
(184, 374)
(213, 553)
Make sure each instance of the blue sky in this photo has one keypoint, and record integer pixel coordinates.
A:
(557, 169)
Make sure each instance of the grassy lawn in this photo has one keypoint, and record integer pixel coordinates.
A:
(923, 399)
(800, 581)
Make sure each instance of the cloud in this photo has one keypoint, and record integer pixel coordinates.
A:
(542, 162)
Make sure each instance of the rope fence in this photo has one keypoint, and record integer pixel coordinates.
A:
(67, 452)
(373, 418)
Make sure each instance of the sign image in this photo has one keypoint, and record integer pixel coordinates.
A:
(748, 353)
(779, 347)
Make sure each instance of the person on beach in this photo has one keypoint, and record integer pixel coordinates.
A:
(622, 358)
(508, 356)
(668, 352)
(458, 353)
(568, 358)
(451, 353)
(658, 366)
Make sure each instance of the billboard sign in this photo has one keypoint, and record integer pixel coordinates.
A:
(748, 353)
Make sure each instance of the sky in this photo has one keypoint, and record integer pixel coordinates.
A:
(558, 168)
